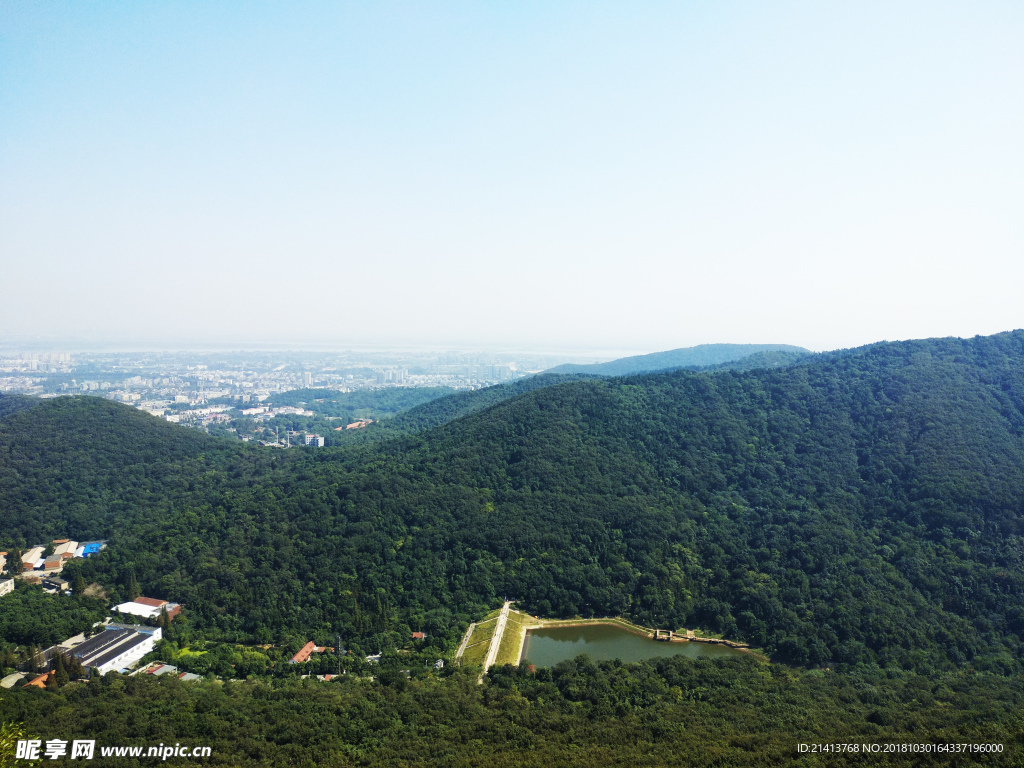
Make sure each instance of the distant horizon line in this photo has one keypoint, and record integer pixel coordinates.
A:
(53, 343)
(64, 344)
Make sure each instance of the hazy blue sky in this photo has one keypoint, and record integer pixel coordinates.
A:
(634, 175)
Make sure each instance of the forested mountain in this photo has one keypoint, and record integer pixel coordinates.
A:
(84, 466)
(406, 411)
(864, 507)
(441, 410)
(770, 359)
(363, 403)
(12, 403)
(701, 356)
(332, 410)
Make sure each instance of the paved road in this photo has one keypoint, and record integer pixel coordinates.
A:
(465, 641)
(499, 630)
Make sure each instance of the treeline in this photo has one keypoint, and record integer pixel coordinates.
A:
(672, 711)
(32, 620)
(362, 403)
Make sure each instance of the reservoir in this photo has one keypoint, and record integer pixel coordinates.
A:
(603, 642)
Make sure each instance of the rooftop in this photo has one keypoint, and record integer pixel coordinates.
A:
(151, 601)
(304, 653)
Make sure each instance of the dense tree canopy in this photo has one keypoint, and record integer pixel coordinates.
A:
(672, 711)
(859, 508)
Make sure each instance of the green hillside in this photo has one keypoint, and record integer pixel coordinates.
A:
(13, 403)
(864, 507)
(84, 467)
(701, 356)
(363, 403)
(332, 410)
(858, 515)
(769, 359)
(442, 410)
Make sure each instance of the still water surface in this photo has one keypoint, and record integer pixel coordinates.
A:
(602, 642)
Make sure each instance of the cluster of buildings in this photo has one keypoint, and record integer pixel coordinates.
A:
(36, 565)
(285, 441)
(154, 381)
(115, 647)
(266, 413)
(392, 376)
(211, 390)
(118, 647)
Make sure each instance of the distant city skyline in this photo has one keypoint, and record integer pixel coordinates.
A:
(43, 345)
(565, 176)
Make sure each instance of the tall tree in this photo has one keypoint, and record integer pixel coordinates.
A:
(133, 586)
(75, 668)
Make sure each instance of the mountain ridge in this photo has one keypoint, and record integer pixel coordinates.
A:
(700, 356)
(863, 507)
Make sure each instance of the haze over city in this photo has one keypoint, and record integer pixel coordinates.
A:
(575, 175)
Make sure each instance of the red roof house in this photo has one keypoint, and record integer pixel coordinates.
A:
(305, 653)
(39, 682)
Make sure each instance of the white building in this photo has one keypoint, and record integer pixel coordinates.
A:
(6, 586)
(117, 647)
(315, 440)
(148, 607)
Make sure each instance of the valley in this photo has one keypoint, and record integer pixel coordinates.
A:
(856, 517)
